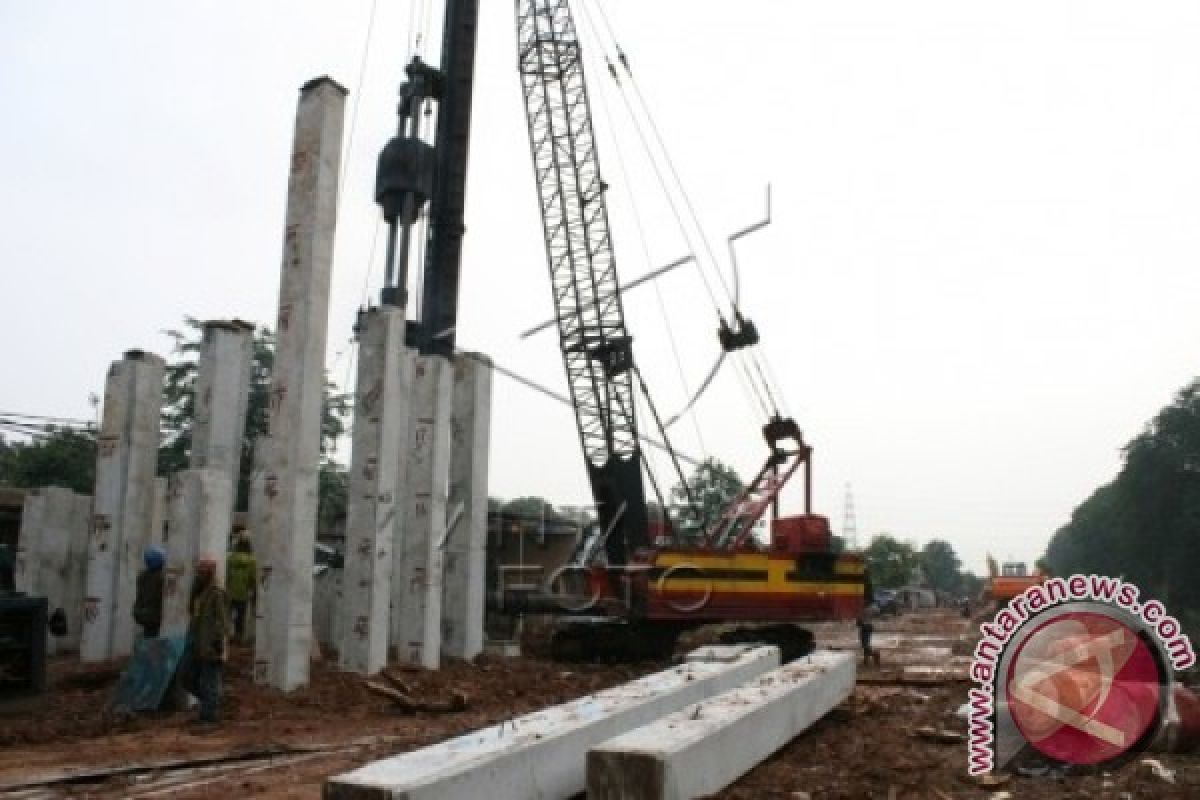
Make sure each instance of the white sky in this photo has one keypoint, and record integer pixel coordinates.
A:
(979, 284)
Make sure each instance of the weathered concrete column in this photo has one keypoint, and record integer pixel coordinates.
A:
(196, 511)
(381, 404)
(465, 558)
(286, 518)
(126, 459)
(222, 394)
(27, 564)
(52, 552)
(417, 599)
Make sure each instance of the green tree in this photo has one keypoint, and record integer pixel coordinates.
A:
(713, 486)
(179, 411)
(941, 566)
(1142, 526)
(890, 561)
(531, 508)
(63, 457)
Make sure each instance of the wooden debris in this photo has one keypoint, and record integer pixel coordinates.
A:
(404, 701)
(940, 735)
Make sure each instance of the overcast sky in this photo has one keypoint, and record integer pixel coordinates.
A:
(979, 283)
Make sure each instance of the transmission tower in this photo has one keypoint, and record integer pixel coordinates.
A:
(849, 523)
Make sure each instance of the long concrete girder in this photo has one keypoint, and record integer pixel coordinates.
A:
(701, 749)
(541, 756)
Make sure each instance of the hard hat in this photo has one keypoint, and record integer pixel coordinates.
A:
(206, 564)
(154, 557)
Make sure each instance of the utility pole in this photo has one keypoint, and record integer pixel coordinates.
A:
(849, 522)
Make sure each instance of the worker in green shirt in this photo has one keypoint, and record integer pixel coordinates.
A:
(241, 578)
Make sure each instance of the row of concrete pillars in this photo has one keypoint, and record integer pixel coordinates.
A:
(416, 530)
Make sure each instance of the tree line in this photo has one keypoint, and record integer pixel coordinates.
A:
(1144, 525)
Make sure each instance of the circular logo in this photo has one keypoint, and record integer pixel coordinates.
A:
(1085, 688)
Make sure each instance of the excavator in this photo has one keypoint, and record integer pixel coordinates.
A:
(639, 582)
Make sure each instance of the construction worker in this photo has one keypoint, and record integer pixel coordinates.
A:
(207, 638)
(241, 577)
(866, 621)
(148, 599)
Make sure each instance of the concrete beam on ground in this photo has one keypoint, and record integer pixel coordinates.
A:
(464, 580)
(701, 749)
(284, 508)
(126, 460)
(541, 755)
(381, 402)
(197, 510)
(417, 599)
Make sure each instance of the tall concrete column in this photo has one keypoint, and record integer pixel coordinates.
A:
(418, 586)
(196, 511)
(464, 589)
(126, 459)
(287, 509)
(381, 403)
(222, 394)
(52, 550)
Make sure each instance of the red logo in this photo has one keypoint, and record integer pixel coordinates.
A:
(1085, 688)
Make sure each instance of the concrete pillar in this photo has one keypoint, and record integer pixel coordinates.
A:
(465, 558)
(197, 505)
(126, 459)
(51, 552)
(26, 564)
(382, 398)
(159, 525)
(77, 527)
(287, 507)
(417, 596)
(222, 393)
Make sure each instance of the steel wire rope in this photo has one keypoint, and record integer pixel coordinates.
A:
(666, 155)
(687, 235)
(683, 227)
(627, 187)
(731, 296)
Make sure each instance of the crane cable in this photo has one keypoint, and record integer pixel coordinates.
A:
(645, 247)
(748, 384)
(645, 109)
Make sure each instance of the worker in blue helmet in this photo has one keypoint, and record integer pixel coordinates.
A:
(148, 602)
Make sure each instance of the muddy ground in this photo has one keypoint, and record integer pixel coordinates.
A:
(273, 745)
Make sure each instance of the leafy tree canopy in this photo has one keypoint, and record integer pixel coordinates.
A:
(1144, 526)
(890, 561)
(941, 566)
(64, 457)
(713, 486)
